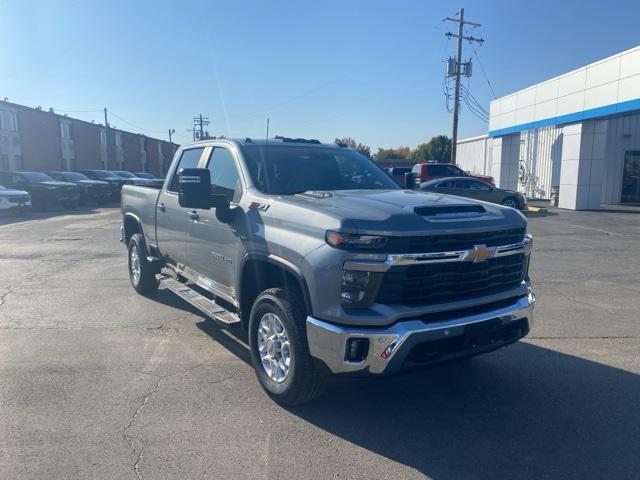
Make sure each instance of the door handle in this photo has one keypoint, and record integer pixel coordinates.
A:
(161, 207)
(193, 215)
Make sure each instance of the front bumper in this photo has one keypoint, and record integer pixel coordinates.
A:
(394, 348)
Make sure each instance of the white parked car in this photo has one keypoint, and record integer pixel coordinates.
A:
(15, 201)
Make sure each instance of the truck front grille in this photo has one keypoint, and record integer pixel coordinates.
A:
(457, 241)
(429, 284)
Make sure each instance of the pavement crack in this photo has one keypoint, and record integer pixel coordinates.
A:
(129, 438)
(4, 295)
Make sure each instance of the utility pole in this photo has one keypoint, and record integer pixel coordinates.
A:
(106, 126)
(199, 123)
(457, 73)
(171, 130)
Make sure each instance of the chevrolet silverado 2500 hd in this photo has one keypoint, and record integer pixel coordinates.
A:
(332, 267)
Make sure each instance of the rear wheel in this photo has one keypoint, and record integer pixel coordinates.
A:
(511, 202)
(141, 274)
(279, 348)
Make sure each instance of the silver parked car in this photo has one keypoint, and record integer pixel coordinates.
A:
(474, 188)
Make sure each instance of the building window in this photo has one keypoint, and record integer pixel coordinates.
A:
(13, 121)
(2, 127)
(4, 162)
(18, 161)
(103, 137)
(118, 139)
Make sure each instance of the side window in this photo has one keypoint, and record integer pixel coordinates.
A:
(438, 171)
(188, 159)
(455, 171)
(461, 184)
(224, 174)
(476, 185)
(447, 184)
(416, 169)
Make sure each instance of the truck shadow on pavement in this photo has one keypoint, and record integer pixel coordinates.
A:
(524, 412)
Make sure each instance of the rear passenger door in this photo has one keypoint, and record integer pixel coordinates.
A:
(171, 218)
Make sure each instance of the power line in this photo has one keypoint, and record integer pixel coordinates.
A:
(484, 73)
(134, 125)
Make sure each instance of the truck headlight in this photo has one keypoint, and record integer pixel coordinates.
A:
(353, 240)
(359, 288)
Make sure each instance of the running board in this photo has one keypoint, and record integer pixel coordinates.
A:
(202, 303)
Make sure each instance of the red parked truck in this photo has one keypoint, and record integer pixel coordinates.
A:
(423, 172)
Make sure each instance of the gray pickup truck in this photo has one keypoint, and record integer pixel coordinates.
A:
(330, 266)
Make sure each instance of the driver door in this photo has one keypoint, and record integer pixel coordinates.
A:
(212, 244)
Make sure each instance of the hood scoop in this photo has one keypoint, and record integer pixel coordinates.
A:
(450, 211)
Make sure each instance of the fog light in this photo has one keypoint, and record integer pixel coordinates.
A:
(357, 349)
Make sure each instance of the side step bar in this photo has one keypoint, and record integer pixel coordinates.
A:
(202, 303)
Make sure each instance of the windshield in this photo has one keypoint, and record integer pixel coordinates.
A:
(123, 174)
(287, 170)
(74, 176)
(37, 177)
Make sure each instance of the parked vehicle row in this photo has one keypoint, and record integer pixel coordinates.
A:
(21, 191)
(450, 179)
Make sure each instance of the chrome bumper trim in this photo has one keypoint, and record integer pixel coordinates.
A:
(388, 347)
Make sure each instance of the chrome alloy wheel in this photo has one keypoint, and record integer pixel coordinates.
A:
(509, 202)
(134, 262)
(273, 346)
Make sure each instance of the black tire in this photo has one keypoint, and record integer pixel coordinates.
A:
(303, 381)
(145, 283)
(511, 202)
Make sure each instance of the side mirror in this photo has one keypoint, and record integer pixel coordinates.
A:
(195, 192)
(195, 188)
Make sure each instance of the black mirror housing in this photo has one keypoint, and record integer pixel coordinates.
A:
(195, 188)
(195, 192)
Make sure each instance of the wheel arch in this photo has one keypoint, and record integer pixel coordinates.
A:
(262, 271)
(131, 225)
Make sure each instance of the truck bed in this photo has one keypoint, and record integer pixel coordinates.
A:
(141, 203)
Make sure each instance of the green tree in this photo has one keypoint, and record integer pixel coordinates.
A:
(351, 143)
(439, 149)
(391, 153)
(421, 153)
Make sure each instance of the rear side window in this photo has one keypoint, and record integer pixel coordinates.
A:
(188, 159)
(224, 174)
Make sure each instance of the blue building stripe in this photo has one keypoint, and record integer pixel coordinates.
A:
(621, 107)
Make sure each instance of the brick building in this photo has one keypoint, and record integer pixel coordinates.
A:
(35, 139)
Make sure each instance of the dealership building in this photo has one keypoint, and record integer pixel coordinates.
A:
(43, 140)
(576, 136)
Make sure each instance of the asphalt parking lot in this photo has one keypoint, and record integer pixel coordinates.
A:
(97, 382)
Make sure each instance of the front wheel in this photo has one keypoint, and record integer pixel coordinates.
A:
(511, 202)
(141, 273)
(279, 349)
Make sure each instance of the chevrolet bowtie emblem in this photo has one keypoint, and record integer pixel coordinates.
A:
(480, 253)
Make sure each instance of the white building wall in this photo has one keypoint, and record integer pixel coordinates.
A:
(611, 85)
(505, 156)
(474, 155)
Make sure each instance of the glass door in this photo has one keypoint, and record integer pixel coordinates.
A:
(631, 178)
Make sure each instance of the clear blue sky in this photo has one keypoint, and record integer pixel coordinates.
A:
(367, 69)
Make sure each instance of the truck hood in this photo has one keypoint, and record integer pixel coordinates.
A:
(398, 212)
